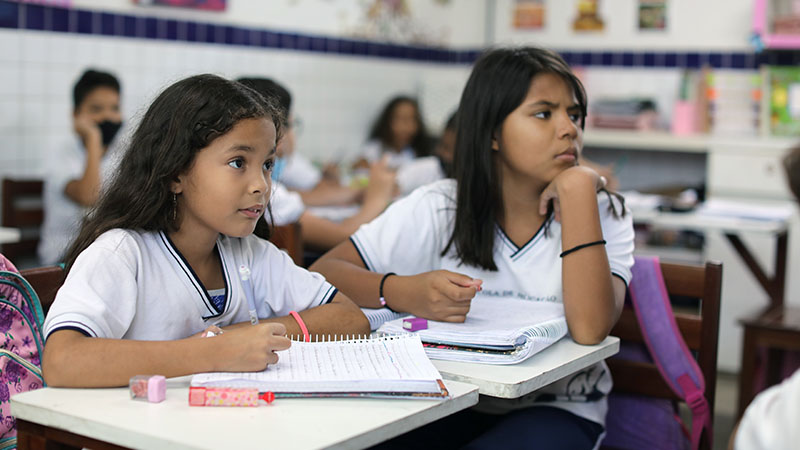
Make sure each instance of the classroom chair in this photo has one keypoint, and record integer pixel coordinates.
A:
(45, 281)
(22, 208)
(768, 337)
(699, 328)
(289, 239)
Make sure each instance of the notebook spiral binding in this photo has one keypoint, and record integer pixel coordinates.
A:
(355, 338)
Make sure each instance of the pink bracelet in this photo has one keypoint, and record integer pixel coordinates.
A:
(306, 337)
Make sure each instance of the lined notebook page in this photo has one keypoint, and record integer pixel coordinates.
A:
(384, 364)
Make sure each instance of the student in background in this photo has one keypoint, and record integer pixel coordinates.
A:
(770, 421)
(428, 169)
(292, 169)
(288, 206)
(521, 219)
(399, 132)
(75, 172)
(157, 261)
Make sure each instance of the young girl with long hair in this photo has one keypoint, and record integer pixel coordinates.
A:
(522, 219)
(157, 262)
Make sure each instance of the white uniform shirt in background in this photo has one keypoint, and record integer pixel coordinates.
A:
(772, 421)
(136, 285)
(408, 239)
(287, 206)
(419, 172)
(62, 216)
(300, 174)
(373, 151)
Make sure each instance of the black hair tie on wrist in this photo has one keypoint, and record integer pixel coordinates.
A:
(380, 290)
(578, 247)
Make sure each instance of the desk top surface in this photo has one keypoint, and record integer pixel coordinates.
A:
(563, 358)
(110, 415)
(703, 222)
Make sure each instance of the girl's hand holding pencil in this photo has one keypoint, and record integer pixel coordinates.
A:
(438, 295)
(250, 348)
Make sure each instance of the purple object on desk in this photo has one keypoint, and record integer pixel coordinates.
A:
(415, 324)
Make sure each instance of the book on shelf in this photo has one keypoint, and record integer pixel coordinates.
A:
(496, 331)
(384, 366)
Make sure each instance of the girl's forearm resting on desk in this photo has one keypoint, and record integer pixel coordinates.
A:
(593, 298)
(439, 295)
(73, 360)
(339, 317)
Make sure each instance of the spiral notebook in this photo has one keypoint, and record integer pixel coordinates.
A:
(386, 366)
(496, 331)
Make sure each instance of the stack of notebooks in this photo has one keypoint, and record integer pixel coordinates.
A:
(496, 331)
(386, 367)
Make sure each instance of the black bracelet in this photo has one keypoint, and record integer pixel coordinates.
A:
(380, 290)
(578, 247)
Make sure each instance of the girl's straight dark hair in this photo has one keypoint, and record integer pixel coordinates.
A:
(185, 118)
(382, 128)
(498, 84)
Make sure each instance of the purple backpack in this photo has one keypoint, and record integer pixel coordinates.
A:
(634, 421)
(21, 344)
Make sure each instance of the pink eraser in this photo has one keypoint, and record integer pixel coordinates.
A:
(156, 389)
(415, 324)
(152, 388)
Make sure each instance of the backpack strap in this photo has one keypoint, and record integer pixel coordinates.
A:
(665, 343)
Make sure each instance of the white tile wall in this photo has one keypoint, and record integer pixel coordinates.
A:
(337, 96)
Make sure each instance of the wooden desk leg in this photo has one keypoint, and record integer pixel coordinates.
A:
(774, 365)
(775, 285)
(747, 371)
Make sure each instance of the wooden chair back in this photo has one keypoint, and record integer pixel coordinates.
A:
(289, 239)
(45, 281)
(699, 329)
(22, 208)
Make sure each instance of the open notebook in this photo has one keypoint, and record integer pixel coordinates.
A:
(386, 366)
(497, 331)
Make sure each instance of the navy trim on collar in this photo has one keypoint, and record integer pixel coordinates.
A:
(195, 280)
(526, 246)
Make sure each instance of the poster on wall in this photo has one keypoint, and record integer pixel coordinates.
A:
(588, 17)
(528, 14)
(207, 5)
(652, 14)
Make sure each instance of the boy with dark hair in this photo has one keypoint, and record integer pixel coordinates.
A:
(74, 174)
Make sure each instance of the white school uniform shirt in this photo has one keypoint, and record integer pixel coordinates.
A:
(300, 174)
(770, 422)
(137, 285)
(419, 172)
(408, 239)
(287, 206)
(373, 151)
(62, 216)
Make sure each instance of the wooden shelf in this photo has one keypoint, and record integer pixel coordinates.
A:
(646, 140)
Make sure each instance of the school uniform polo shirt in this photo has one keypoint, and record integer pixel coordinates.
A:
(300, 174)
(408, 239)
(137, 285)
(286, 206)
(62, 216)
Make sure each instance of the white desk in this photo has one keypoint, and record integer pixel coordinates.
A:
(110, 416)
(561, 359)
(731, 227)
(9, 235)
